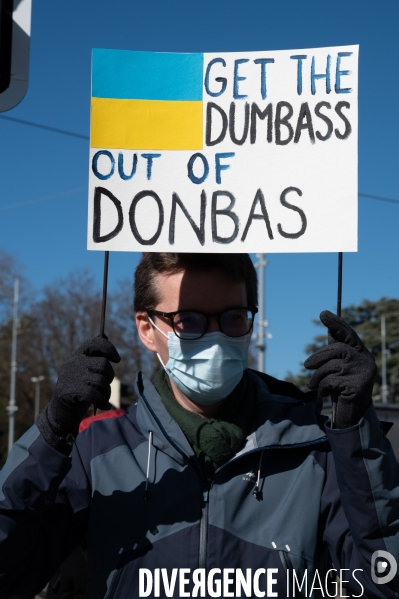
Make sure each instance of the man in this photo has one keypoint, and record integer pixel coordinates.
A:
(218, 469)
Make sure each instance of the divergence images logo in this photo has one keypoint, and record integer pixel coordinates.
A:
(379, 565)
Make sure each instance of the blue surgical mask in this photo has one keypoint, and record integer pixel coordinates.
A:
(206, 370)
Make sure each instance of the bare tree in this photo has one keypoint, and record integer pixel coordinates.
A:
(51, 328)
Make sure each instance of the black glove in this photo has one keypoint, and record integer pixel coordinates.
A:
(345, 368)
(84, 379)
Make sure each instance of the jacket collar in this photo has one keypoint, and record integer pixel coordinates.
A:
(285, 417)
(153, 416)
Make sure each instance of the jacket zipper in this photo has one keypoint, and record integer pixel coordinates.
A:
(203, 540)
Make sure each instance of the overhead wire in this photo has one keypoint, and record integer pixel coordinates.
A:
(44, 199)
(380, 198)
(46, 127)
(54, 130)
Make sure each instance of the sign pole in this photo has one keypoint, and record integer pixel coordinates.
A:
(104, 301)
(339, 295)
(339, 304)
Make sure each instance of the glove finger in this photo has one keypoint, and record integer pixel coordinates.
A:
(333, 384)
(339, 330)
(327, 353)
(98, 381)
(99, 347)
(94, 392)
(86, 389)
(332, 367)
(101, 366)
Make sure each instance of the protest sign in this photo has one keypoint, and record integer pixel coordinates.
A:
(216, 152)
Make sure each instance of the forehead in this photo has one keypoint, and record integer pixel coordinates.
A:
(206, 291)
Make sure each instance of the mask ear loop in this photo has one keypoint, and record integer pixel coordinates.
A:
(155, 326)
(163, 365)
(158, 329)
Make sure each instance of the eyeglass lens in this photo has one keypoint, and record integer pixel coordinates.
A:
(234, 323)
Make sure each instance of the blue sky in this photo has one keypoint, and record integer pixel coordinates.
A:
(49, 237)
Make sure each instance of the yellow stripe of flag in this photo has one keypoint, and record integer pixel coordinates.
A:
(146, 124)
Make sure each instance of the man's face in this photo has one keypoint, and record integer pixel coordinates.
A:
(208, 292)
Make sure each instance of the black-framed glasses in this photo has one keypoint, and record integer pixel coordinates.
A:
(190, 324)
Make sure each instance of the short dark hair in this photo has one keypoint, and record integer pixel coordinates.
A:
(237, 267)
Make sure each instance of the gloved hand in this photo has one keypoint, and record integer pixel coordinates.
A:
(346, 368)
(84, 379)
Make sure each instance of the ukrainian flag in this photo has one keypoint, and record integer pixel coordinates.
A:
(146, 100)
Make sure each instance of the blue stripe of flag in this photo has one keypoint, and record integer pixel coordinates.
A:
(131, 75)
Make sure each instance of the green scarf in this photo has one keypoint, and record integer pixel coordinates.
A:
(215, 440)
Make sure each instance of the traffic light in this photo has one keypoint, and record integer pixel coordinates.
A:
(6, 10)
(15, 18)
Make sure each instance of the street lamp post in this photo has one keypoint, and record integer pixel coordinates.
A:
(262, 335)
(37, 380)
(12, 406)
(384, 353)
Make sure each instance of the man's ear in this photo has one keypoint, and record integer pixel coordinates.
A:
(145, 331)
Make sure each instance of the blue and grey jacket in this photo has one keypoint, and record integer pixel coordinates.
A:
(298, 497)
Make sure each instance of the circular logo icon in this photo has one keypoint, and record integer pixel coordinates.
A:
(383, 567)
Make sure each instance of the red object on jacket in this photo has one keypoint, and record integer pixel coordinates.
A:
(86, 422)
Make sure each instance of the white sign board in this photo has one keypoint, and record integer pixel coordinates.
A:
(237, 152)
